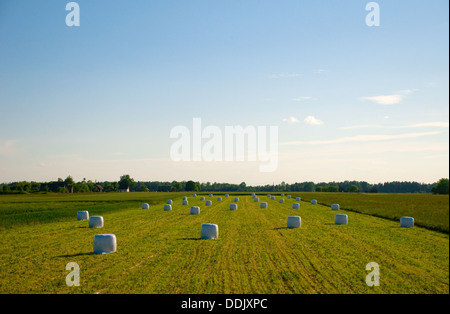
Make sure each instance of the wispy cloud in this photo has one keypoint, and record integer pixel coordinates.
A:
(291, 120)
(437, 124)
(363, 138)
(312, 120)
(304, 98)
(385, 99)
(429, 124)
(284, 75)
(392, 99)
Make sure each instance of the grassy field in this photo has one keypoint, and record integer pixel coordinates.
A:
(430, 211)
(161, 251)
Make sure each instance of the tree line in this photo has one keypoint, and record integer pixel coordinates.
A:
(126, 183)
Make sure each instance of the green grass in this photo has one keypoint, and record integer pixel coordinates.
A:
(161, 252)
(29, 209)
(429, 211)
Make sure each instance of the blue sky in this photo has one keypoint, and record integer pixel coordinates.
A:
(99, 100)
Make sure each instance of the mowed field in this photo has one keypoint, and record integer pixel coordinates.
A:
(161, 251)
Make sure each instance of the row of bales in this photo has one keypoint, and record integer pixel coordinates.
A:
(341, 219)
(103, 243)
(107, 243)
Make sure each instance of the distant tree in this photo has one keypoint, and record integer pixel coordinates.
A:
(107, 187)
(242, 186)
(81, 187)
(6, 188)
(309, 187)
(69, 183)
(62, 189)
(442, 187)
(191, 186)
(143, 188)
(352, 188)
(126, 182)
(176, 186)
(373, 190)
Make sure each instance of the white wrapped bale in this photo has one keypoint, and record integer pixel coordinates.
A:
(272, 197)
(202, 198)
(210, 195)
(289, 196)
(294, 222)
(145, 206)
(298, 199)
(263, 205)
(256, 199)
(209, 231)
(341, 219)
(282, 195)
(219, 198)
(195, 210)
(406, 222)
(295, 205)
(185, 202)
(314, 202)
(96, 222)
(167, 207)
(281, 200)
(335, 207)
(227, 195)
(253, 194)
(184, 198)
(105, 243)
(233, 206)
(268, 195)
(236, 199)
(208, 203)
(194, 195)
(83, 215)
(169, 202)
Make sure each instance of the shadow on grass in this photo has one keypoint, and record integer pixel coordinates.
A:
(190, 239)
(74, 255)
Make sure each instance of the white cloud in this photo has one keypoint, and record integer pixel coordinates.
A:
(430, 124)
(364, 138)
(386, 99)
(291, 120)
(312, 120)
(392, 99)
(302, 98)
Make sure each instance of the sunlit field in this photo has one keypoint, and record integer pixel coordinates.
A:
(161, 251)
